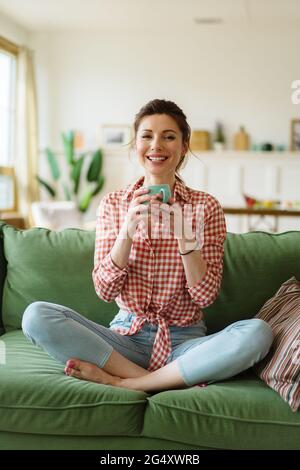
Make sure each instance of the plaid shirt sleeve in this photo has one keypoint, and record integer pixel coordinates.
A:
(206, 291)
(107, 277)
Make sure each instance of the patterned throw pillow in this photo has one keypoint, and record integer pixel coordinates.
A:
(280, 369)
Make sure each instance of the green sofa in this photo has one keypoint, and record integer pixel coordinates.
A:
(42, 408)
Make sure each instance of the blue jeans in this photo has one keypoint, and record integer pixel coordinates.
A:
(64, 333)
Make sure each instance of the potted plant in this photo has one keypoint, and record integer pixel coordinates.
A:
(219, 138)
(76, 202)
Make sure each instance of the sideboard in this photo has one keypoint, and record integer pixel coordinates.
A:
(227, 175)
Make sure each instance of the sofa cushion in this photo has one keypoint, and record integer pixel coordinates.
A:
(255, 264)
(239, 413)
(37, 397)
(280, 369)
(54, 267)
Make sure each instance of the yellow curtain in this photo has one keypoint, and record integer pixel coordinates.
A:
(26, 163)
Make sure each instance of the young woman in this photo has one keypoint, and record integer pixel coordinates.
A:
(161, 271)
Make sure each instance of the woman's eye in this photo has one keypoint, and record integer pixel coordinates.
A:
(168, 137)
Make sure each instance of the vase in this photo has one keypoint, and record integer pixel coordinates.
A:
(219, 146)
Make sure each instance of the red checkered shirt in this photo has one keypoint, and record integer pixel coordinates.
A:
(153, 284)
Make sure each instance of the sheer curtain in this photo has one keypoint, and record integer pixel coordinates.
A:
(26, 164)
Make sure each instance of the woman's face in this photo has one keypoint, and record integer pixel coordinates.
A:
(159, 145)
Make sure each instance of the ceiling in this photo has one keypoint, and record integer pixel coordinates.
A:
(60, 15)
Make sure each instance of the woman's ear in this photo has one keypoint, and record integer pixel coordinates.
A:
(185, 147)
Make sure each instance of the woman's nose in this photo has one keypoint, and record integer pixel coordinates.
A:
(156, 144)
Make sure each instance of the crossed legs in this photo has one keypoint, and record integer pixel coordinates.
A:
(94, 353)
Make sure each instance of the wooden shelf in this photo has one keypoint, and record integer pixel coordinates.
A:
(261, 215)
(249, 155)
(263, 211)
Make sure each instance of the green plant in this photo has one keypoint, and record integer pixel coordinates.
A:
(219, 134)
(75, 164)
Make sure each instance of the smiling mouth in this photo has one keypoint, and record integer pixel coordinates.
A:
(157, 159)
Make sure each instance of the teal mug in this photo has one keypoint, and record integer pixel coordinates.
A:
(163, 189)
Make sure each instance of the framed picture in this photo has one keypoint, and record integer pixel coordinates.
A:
(295, 134)
(114, 136)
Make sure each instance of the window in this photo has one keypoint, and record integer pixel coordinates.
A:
(8, 66)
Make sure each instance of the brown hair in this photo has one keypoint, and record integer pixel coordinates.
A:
(171, 109)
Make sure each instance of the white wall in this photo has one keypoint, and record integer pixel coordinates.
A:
(13, 31)
(237, 76)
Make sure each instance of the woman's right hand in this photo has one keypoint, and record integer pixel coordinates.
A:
(138, 211)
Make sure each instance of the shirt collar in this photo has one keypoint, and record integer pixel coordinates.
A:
(179, 190)
(182, 191)
(129, 190)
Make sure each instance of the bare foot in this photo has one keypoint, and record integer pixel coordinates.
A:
(90, 372)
